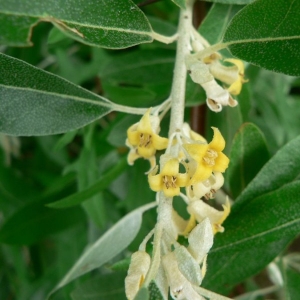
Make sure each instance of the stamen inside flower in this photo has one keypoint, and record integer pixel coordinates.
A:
(145, 140)
(169, 181)
(210, 157)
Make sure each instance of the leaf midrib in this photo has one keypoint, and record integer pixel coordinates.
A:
(260, 40)
(49, 18)
(76, 98)
(278, 228)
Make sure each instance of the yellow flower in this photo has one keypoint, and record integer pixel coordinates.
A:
(205, 75)
(202, 210)
(169, 180)
(208, 158)
(236, 87)
(206, 188)
(143, 140)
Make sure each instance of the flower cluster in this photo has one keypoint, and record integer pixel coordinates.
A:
(191, 164)
(180, 270)
(209, 69)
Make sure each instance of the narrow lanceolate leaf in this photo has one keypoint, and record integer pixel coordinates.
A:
(98, 186)
(253, 237)
(107, 246)
(245, 162)
(267, 34)
(107, 23)
(35, 102)
(281, 169)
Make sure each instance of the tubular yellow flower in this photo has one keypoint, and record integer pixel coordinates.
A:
(208, 157)
(169, 180)
(202, 210)
(143, 139)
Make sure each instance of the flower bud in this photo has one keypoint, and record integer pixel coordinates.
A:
(138, 269)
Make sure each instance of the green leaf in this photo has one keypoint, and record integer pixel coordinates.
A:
(239, 2)
(34, 222)
(141, 67)
(65, 140)
(277, 114)
(139, 78)
(180, 3)
(254, 235)
(15, 30)
(108, 286)
(161, 26)
(216, 21)
(230, 119)
(110, 24)
(111, 243)
(35, 102)
(118, 133)
(245, 162)
(121, 265)
(95, 188)
(267, 34)
(291, 283)
(281, 169)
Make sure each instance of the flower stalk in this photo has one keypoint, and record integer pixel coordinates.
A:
(180, 70)
(189, 162)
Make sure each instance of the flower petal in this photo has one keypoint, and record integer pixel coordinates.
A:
(145, 125)
(226, 212)
(235, 88)
(218, 181)
(213, 105)
(182, 179)
(201, 210)
(146, 152)
(159, 143)
(232, 102)
(222, 162)
(238, 63)
(200, 189)
(215, 92)
(133, 135)
(170, 168)
(155, 181)
(171, 191)
(132, 156)
(196, 151)
(218, 142)
(202, 173)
